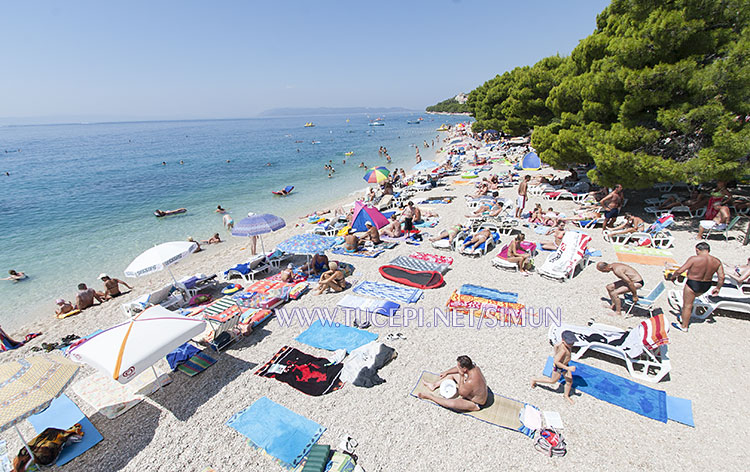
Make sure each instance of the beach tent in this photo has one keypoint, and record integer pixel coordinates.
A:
(530, 162)
(363, 214)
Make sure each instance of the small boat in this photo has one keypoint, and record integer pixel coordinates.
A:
(413, 122)
(350, 153)
(377, 123)
(284, 192)
(309, 124)
(299, 141)
(315, 142)
(443, 128)
(161, 214)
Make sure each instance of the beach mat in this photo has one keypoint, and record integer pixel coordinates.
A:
(335, 336)
(502, 411)
(62, 414)
(111, 398)
(368, 305)
(420, 279)
(488, 293)
(388, 291)
(611, 388)
(414, 263)
(367, 253)
(196, 364)
(645, 260)
(280, 432)
(641, 250)
(314, 376)
(434, 258)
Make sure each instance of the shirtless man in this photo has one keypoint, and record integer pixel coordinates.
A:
(112, 286)
(719, 223)
(521, 199)
(85, 297)
(372, 233)
(332, 279)
(559, 232)
(407, 217)
(630, 281)
(517, 255)
(352, 241)
(611, 205)
(700, 271)
(287, 275)
(317, 264)
(477, 239)
(472, 387)
(393, 229)
(417, 212)
(632, 224)
(561, 367)
(492, 210)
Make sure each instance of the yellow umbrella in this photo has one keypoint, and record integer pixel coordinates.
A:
(28, 386)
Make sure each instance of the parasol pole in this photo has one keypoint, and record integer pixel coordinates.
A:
(28, 449)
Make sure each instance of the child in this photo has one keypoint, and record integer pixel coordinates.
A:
(562, 358)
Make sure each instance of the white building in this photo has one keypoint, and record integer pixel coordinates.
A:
(462, 98)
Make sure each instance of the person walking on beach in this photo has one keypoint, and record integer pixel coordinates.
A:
(112, 286)
(611, 205)
(630, 281)
(561, 367)
(700, 271)
(522, 191)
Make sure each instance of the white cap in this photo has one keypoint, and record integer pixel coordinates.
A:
(250, 213)
(368, 223)
(102, 275)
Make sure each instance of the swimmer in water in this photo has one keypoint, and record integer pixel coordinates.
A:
(15, 276)
(219, 209)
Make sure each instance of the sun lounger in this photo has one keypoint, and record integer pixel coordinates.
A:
(655, 210)
(561, 264)
(447, 246)
(196, 283)
(560, 194)
(168, 296)
(483, 248)
(501, 262)
(248, 270)
(656, 235)
(643, 348)
(648, 302)
(724, 231)
(729, 298)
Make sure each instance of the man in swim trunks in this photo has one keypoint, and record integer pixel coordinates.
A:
(630, 281)
(351, 241)
(393, 230)
(112, 286)
(719, 222)
(561, 368)
(478, 238)
(333, 279)
(559, 232)
(521, 199)
(700, 272)
(449, 233)
(472, 387)
(408, 216)
(611, 205)
(85, 297)
(372, 233)
(317, 265)
(632, 224)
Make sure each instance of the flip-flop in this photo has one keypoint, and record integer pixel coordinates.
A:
(679, 328)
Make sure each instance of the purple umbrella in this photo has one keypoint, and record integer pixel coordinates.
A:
(256, 225)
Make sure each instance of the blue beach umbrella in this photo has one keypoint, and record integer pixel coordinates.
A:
(307, 244)
(426, 165)
(256, 225)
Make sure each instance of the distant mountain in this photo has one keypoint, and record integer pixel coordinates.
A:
(332, 111)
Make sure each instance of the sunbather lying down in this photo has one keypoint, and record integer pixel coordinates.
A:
(449, 233)
(477, 240)
(472, 393)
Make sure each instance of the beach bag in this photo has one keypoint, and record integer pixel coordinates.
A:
(551, 442)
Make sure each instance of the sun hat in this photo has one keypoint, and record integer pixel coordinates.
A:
(59, 301)
(448, 388)
(368, 223)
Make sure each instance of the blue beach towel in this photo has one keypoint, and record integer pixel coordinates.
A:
(277, 430)
(62, 414)
(488, 293)
(368, 253)
(181, 354)
(388, 291)
(335, 336)
(646, 401)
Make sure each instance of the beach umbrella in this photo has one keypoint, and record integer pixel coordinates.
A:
(256, 225)
(426, 165)
(160, 257)
(307, 244)
(127, 349)
(28, 386)
(376, 175)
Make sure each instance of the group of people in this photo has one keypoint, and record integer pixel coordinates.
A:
(86, 296)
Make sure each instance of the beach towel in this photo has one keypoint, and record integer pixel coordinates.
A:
(501, 411)
(386, 245)
(505, 312)
(361, 366)
(655, 332)
(419, 264)
(437, 259)
(644, 260)
(541, 229)
(526, 246)
(489, 293)
(388, 291)
(111, 398)
(428, 223)
(335, 336)
(314, 376)
(568, 254)
(62, 413)
(362, 252)
(280, 432)
(196, 364)
(181, 354)
(369, 305)
(641, 250)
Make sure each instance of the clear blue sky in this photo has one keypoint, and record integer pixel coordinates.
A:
(214, 59)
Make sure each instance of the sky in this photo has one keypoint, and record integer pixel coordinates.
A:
(92, 60)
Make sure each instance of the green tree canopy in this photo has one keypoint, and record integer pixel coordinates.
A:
(660, 91)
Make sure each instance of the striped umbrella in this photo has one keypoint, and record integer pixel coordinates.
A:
(256, 225)
(376, 175)
(28, 386)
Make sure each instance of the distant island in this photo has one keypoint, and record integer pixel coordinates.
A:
(332, 111)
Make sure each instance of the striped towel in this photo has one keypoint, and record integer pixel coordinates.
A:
(369, 253)
(655, 332)
(221, 310)
(196, 364)
(388, 291)
(418, 264)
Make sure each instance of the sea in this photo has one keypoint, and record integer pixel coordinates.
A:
(79, 199)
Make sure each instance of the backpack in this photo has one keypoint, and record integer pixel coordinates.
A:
(551, 442)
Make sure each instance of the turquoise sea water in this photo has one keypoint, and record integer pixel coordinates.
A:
(80, 198)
